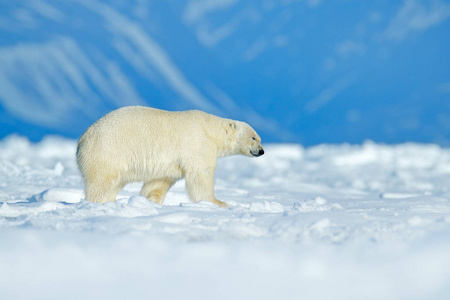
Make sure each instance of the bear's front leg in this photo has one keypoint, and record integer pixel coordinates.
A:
(200, 185)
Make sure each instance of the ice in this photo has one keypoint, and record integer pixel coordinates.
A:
(12, 210)
(328, 222)
(60, 195)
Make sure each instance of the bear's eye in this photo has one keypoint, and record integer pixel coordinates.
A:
(253, 138)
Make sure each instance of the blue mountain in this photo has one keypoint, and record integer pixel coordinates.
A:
(306, 71)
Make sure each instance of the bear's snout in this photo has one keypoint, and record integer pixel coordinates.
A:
(257, 153)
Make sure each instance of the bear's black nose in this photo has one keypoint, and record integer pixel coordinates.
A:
(261, 152)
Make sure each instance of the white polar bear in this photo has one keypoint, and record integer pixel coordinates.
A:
(159, 147)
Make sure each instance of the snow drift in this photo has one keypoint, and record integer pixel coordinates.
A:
(364, 221)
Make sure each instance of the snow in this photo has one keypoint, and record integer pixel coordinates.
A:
(343, 221)
(64, 71)
(414, 16)
(152, 53)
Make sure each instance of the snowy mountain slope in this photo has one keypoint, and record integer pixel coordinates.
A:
(303, 71)
(341, 222)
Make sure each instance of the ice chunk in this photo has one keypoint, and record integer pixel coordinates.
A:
(60, 195)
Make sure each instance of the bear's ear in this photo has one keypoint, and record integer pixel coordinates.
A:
(233, 125)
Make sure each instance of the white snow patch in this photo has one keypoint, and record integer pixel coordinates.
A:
(60, 195)
(300, 219)
(318, 204)
(397, 195)
(10, 210)
(321, 225)
(266, 206)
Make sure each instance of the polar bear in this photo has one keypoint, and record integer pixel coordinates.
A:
(159, 147)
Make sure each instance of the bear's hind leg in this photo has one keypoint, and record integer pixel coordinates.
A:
(156, 190)
(101, 193)
(100, 188)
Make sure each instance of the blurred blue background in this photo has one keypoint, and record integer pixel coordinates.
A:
(306, 71)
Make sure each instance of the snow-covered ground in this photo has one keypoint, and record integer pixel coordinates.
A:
(329, 222)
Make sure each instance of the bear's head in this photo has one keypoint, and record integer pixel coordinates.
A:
(248, 141)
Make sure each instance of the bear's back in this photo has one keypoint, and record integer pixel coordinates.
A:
(137, 131)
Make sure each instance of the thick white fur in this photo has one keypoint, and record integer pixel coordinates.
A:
(159, 147)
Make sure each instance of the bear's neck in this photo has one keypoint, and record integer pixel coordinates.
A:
(226, 150)
(224, 137)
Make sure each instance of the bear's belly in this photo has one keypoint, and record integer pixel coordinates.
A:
(153, 171)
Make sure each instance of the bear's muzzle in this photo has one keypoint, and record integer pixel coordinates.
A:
(257, 153)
